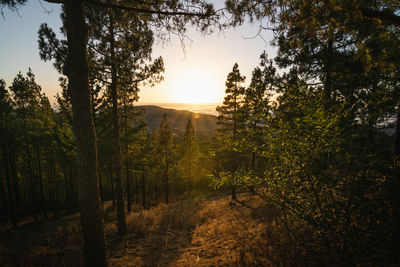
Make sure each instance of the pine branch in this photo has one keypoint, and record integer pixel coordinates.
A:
(145, 11)
(385, 17)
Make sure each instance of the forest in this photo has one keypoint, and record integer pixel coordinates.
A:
(301, 166)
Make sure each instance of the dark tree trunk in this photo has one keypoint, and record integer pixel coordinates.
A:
(234, 156)
(112, 187)
(397, 141)
(136, 189)
(86, 152)
(14, 175)
(4, 206)
(396, 183)
(3, 195)
(253, 168)
(57, 201)
(156, 191)
(33, 203)
(32, 185)
(233, 192)
(121, 222)
(128, 186)
(328, 84)
(11, 207)
(101, 194)
(68, 193)
(72, 187)
(127, 165)
(144, 190)
(166, 174)
(40, 173)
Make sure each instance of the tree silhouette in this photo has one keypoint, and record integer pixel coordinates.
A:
(230, 119)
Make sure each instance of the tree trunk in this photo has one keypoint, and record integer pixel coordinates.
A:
(397, 141)
(11, 207)
(166, 173)
(67, 193)
(112, 187)
(40, 173)
(143, 190)
(121, 222)
(14, 175)
(328, 84)
(253, 168)
(72, 187)
(396, 183)
(4, 204)
(234, 156)
(33, 203)
(101, 195)
(136, 189)
(32, 184)
(86, 152)
(127, 166)
(128, 186)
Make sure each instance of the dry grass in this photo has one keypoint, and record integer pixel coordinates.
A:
(227, 235)
(214, 232)
(202, 232)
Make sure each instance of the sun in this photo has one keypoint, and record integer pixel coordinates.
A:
(195, 87)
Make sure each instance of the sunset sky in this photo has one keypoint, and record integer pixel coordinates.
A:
(195, 76)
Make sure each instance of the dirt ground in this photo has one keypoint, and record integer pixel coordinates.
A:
(197, 232)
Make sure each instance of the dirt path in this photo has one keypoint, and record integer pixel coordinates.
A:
(214, 232)
(202, 232)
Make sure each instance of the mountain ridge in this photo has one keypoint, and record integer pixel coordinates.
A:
(204, 124)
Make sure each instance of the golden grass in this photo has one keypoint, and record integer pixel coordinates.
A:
(226, 236)
(214, 232)
(194, 232)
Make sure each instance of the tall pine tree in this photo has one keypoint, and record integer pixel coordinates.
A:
(230, 120)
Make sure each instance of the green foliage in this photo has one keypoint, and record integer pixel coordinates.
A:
(231, 123)
(326, 144)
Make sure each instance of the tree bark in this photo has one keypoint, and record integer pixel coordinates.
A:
(166, 173)
(40, 173)
(128, 186)
(121, 222)
(143, 189)
(136, 189)
(11, 207)
(234, 156)
(396, 183)
(112, 187)
(127, 165)
(86, 152)
(397, 140)
(14, 175)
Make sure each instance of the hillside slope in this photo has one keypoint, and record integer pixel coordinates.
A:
(206, 231)
(203, 124)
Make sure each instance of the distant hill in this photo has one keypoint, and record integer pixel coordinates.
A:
(204, 124)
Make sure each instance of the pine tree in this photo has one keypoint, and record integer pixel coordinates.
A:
(189, 149)
(156, 13)
(121, 49)
(165, 142)
(10, 196)
(256, 109)
(230, 119)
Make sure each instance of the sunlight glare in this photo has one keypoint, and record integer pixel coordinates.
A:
(195, 87)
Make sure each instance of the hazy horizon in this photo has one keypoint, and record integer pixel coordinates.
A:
(204, 108)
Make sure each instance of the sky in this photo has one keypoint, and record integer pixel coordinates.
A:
(196, 74)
